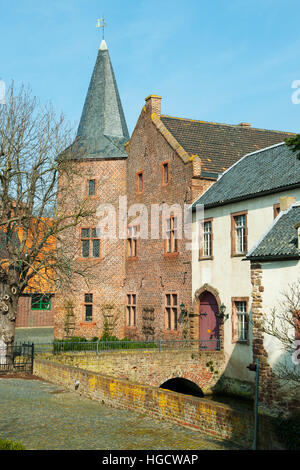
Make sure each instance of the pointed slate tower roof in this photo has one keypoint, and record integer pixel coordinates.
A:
(102, 130)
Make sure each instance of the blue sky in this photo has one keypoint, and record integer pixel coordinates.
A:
(222, 61)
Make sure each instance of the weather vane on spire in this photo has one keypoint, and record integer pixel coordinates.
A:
(101, 24)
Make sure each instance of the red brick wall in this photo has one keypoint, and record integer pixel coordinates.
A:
(151, 275)
(102, 277)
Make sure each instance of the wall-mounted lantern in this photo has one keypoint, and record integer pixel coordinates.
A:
(221, 313)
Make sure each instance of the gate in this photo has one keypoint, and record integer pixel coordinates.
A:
(17, 358)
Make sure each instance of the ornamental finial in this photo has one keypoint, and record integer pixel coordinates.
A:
(101, 24)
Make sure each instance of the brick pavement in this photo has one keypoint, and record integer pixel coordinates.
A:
(43, 416)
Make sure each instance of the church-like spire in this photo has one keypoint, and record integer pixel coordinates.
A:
(102, 130)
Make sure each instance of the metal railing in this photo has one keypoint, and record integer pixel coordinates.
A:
(17, 358)
(99, 347)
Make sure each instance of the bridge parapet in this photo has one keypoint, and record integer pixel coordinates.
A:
(150, 366)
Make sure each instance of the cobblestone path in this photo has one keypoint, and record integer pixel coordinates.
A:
(44, 416)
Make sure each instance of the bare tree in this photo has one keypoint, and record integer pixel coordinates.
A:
(33, 143)
(283, 323)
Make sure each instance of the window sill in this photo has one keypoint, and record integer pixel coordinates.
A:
(89, 259)
(171, 255)
(88, 323)
(205, 258)
(132, 258)
(238, 255)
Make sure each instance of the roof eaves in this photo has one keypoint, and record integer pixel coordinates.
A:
(245, 197)
(212, 188)
(275, 222)
(273, 257)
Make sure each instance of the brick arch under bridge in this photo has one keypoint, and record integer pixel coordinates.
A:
(192, 367)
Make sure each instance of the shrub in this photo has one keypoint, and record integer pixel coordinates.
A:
(5, 444)
(106, 342)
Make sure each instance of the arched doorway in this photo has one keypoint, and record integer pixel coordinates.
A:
(209, 331)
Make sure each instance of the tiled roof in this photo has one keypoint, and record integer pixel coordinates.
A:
(281, 240)
(260, 172)
(220, 145)
(102, 130)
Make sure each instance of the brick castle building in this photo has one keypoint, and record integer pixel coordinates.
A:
(140, 287)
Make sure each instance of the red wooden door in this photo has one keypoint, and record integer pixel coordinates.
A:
(208, 322)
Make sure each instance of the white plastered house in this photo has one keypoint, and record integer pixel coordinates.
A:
(247, 257)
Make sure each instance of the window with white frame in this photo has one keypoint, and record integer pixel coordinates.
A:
(239, 234)
(242, 320)
(207, 239)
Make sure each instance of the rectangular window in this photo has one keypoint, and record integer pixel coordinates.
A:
(239, 233)
(240, 322)
(140, 182)
(90, 243)
(165, 173)
(91, 187)
(206, 243)
(131, 309)
(40, 302)
(241, 311)
(132, 241)
(88, 307)
(171, 236)
(171, 311)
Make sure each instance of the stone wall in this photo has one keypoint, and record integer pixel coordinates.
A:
(271, 393)
(213, 419)
(149, 367)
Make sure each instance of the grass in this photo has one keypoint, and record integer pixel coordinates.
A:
(6, 444)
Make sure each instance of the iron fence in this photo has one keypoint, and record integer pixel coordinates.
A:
(100, 346)
(17, 358)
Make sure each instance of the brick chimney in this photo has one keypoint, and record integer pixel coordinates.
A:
(286, 202)
(153, 103)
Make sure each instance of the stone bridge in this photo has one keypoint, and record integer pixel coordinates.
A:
(151, 367)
